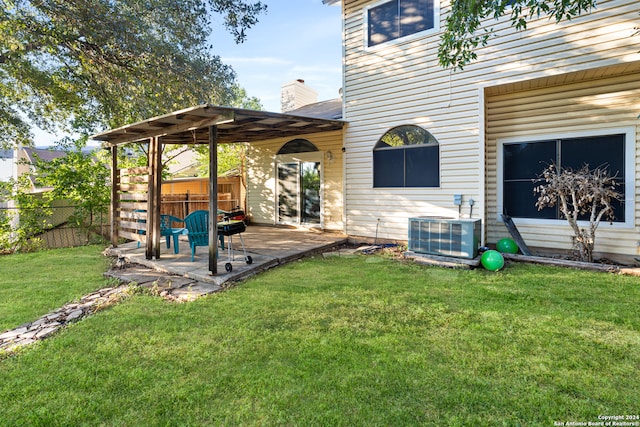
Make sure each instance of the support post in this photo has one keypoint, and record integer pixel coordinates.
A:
(213, 200)
(152, 247)
(115, 185)
(157, 201)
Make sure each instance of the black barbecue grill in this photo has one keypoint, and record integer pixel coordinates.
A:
(229, 227)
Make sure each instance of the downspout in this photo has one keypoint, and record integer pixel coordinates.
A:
(344, 118)
(482, 124)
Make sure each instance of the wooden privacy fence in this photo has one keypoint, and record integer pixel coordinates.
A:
(181, 205)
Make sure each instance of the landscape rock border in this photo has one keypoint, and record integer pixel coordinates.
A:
(170, 287)
(47, 325)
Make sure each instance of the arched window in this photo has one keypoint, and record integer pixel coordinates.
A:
(406, 156)
(297, 146)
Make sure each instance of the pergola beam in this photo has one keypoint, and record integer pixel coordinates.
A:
(190, 126)
(130, 133)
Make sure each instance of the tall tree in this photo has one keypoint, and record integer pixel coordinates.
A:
(465, 29)
(82, 65)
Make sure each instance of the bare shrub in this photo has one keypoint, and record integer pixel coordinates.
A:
(585, 194)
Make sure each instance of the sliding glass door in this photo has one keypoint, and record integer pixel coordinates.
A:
(299, 190)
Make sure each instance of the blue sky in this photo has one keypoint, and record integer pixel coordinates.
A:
(296, 39)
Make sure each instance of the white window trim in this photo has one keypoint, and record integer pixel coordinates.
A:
(399, 40)
(405, 147)
(629, 179)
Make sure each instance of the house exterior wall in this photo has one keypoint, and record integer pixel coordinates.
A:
(6, 164)
(591, 104)
(183, 186)
(22, 164)
(262, 182)
(400, 83)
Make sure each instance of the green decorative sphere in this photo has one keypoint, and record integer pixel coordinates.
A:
(492, 260)
(507, 246)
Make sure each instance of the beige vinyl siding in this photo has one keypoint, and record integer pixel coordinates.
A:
(582, 106)
(401, 83)
(261, 179)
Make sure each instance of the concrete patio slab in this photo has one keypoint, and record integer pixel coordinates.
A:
(267, 246)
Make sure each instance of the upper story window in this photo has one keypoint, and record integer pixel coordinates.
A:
(391, 20)
(6, 154)
(406, 156)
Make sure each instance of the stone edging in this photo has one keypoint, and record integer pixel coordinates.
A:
(50, 323)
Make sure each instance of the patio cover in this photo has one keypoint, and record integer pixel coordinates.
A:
(191, 126)
(202, 124)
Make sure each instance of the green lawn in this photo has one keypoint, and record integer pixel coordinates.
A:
(33, 284)
(360, 341)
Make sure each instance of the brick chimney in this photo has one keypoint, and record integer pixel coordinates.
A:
(296, 94)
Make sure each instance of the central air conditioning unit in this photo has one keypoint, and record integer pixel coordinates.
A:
(445, 236)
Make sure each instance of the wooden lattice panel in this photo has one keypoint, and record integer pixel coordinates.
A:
(133, 197)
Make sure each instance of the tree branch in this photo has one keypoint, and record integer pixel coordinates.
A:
(10, 54)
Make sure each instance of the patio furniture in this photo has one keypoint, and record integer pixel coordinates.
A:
(166, 230)
(197, 223)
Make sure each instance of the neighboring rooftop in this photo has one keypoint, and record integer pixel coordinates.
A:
(44, 154)
(331, 110)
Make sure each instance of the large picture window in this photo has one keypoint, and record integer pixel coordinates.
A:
(523, 162)
(406, 156)
(398, 18)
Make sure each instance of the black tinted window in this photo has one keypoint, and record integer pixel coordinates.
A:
(399, 18)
